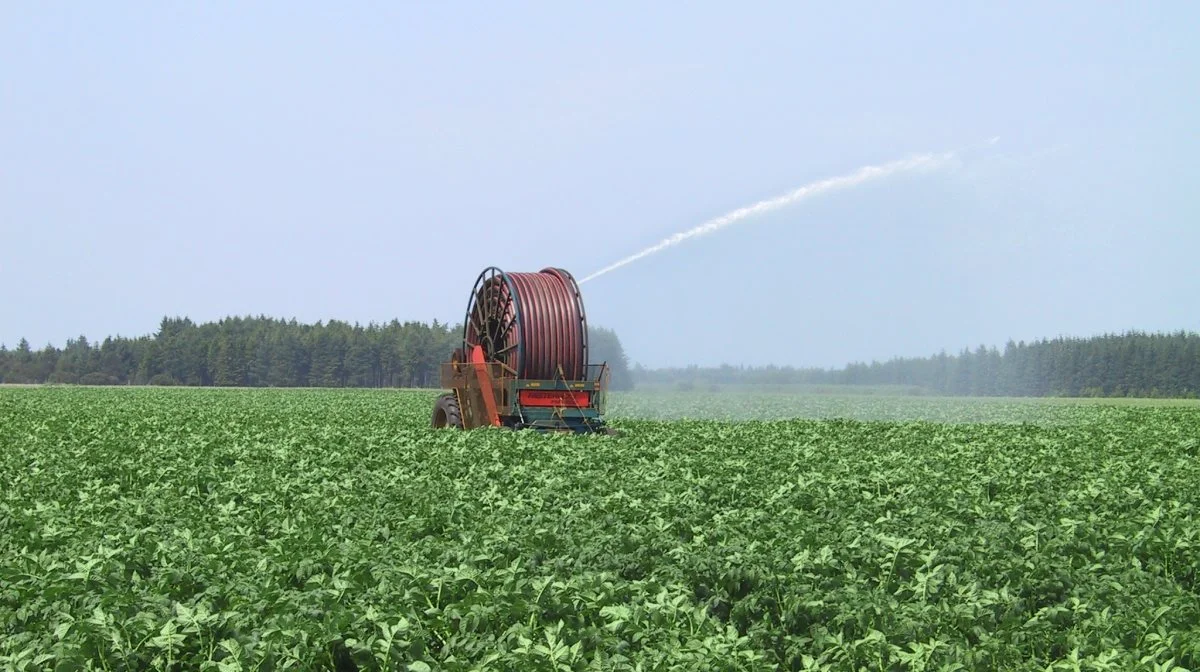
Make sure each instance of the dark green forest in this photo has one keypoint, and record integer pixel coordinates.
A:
(266, 352)
(1131, 364)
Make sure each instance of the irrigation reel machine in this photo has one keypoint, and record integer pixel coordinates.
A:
(523, 362)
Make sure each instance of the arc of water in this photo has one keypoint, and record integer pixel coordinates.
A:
(858, 177)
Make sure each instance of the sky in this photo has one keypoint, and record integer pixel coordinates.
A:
(366, 161)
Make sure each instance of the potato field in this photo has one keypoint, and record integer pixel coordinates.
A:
(206, 529)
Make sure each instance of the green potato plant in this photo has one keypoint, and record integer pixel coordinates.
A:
(333, 529)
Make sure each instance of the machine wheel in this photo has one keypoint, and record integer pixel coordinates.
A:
(446, 412)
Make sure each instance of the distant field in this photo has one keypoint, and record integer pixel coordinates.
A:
(275, 529)
(746, 403)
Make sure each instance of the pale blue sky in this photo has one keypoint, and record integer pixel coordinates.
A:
(364, 161)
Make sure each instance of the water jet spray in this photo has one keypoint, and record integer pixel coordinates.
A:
(861, 176)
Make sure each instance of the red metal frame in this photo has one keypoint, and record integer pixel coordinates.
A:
(555, 398)
(485, 384)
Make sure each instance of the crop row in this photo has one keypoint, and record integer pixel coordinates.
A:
(263, 529)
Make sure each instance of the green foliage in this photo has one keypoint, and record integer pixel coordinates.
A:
(605, 346)
(739, 403)
(1132, 364)
(270, 529)
(98, 378)
(264, 352)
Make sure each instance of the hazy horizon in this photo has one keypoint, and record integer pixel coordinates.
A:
(366, 163)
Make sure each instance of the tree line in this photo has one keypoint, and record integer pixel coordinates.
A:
(266, 352)
(1130, 364)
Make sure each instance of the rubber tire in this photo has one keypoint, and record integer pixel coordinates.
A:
(446, 412)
